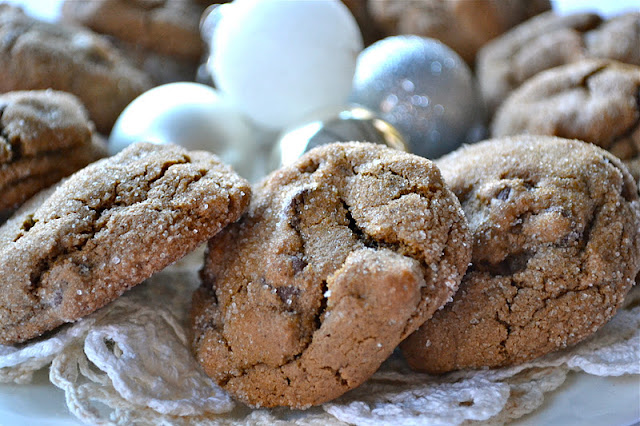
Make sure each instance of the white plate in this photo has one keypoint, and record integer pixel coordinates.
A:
(583, 400)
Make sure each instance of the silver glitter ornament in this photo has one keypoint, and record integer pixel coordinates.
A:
(424, 89)
(355, 123)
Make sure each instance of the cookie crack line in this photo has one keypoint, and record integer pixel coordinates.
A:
(420, 190)
(14, 144)
(584, 83)
(64, 252)
(18, 156)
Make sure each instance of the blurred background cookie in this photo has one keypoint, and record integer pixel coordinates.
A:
(162, 37)
(463, 25)
(556, 247)
(551, 40)
(371, 32)
(41, 55)
(340, 256)
(595, 101)
(46, 135)
(74, 248)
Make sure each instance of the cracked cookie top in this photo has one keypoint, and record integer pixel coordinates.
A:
(595, 101)
(339, 257)
(556, 247)
(75, 247)
(40, 55)
(44, 136)
(551, 40)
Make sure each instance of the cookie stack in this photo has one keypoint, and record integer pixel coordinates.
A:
(574, 76)
(37, 55)
(162, 38)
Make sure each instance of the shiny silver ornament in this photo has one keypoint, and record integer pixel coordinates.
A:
(424, 89)
(352, 124)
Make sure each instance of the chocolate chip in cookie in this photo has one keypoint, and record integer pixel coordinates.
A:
(74, 248)
(45, 136)
(339, 257)
(556, 247)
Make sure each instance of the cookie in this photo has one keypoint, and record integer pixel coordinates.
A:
(161, 37)
(46, 135)
(41, 55)
(76, 247)
(551, 40)
(556, 247)
(462, 25)
(339, 257)
(595, 101)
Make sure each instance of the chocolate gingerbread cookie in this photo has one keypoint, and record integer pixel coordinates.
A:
(41, 55)
(551, 40)
(46, 135)
(161, 37)
(74, 248)
(340, 256)
(595, 101)
(462, 25)
(556, 247)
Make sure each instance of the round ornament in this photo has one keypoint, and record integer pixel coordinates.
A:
(281, 60)
(424, 89)
(192, 115)
(352, 124)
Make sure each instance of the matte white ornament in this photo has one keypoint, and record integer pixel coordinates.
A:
(192, 115)
(281, 60)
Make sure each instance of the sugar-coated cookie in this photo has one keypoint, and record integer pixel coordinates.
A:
(591, 100)
(551, 40)
(556, 247)
(46, 135)
(161, 37)
(462, 25)
(72, 249)
(42, 55)
(340, 256)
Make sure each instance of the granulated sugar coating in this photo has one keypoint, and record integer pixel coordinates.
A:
(46, 135)
(340, 257)
(78, 246)
(550, 40)
(594, 101)
(556, 247)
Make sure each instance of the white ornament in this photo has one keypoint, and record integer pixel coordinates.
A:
(281, 60)
(192, 115)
